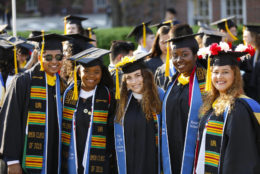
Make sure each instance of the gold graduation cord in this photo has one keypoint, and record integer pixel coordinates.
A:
(226, 26)
(183, 80)
(65, 23)
(144, 35)
(42, 49)
(208, 77)
(51, 80)
(117, 85)
(89, 33)
(167, 68)
(75, 90)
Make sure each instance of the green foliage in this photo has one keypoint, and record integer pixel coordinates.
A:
(106, 36)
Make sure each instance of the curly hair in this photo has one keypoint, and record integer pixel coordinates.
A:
(150, 103)
(229, 98)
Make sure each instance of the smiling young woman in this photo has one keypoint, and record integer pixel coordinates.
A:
(137, 119)
(228, 130)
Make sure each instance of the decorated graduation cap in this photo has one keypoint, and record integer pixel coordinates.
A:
(71, 19)
(140, 31)
(225, 24)
(88, 58)
(128, 65)
(211, 36)
(79, 43)
(169, 23)
(89, 31)
(221, 55)
(49, 42)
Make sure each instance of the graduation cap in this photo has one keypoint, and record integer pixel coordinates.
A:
(185, 41)
(211, 36)
(23, 42)
(225, 24)
(169, 23)
(49, 42)
(35, 33)
(226, 58)
(87, 58)
(71, 19)
(253, 28)
(181, 30)
(79, 42)
(3, 28)
(89, 31)
(140, 31)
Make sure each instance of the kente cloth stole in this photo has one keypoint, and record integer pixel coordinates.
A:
(120, 141)
(214, 132)
(36, 136)
(95, 148)
(196, 89)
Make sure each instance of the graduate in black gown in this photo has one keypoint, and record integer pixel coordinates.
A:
(31, 114)
(73, 24)
(181, 105)
(159, 49)
(87, 116)
(137, 121)
(228, 140)
(251, 78)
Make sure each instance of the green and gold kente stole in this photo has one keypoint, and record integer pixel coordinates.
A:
(35, 147)
(155, 119)
(95, 148)
(214, 131)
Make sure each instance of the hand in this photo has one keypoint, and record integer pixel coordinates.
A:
(14, 169)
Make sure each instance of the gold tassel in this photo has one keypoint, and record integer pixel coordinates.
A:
(117, 85)
(89, 33)
(75, 91)
(65, 23)
(167, 68)
(226, 26)
(144, 35)
(208, 77)
(15, 61)
(244, 28)
(42, 49)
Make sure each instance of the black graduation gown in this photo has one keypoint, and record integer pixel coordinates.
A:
(252, 80)
(82, 125)
(177, 115)
(240, 153)
(140, 141)
(153, 63)
(15, 110)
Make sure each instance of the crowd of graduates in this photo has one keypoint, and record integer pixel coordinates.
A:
(181, 103)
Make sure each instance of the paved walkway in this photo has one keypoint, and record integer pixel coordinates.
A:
(56, 22)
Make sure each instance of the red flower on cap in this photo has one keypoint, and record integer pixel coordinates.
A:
(250, 50)
(214, 49)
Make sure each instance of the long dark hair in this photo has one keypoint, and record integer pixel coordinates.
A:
(156, 50)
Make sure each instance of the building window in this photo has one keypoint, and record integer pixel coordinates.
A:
(234, 8)
(199, 10)
(31, 5)
(101, 3)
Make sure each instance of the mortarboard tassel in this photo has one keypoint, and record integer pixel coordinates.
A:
(244, 28)
(75, 91)
(42, 49)
(15, 61)
(167, 68)
(208, 77)
(89, 33)
(65, 23)
(144, 35)
(226, 26)
(117, 85)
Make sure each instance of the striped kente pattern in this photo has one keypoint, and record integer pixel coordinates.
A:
(100, 116)
(68, 113)
(156, 127)
(36, 118)
(202, 87)
(215, 128)
(38, 92)
(212, 158)
(34, 162)
(98, 141)
(67, 118)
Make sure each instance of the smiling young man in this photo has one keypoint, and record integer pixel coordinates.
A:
(31, 113)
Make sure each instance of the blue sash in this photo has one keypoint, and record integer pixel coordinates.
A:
(191, 131)
(120, 139)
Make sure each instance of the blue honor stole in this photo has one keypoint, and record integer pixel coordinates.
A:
(191, 129)
(120, 139)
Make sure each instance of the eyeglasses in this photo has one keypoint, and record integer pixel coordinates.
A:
(49, 57)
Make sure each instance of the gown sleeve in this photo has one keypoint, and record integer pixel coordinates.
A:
(13, 118)
(240, 151)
